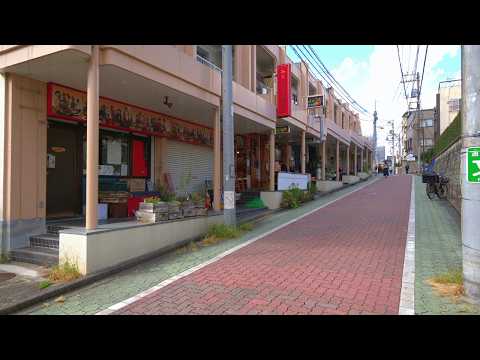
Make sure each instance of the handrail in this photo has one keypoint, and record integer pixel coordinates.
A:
(204, 61)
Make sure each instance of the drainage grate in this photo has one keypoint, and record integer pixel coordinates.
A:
(4, 276)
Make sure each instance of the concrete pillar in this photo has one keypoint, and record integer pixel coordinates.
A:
(338, 160)
(92, 140)
(217, 160)
(355, 161)
(324, 158)
(272, 161)
(348, 160)
(258, 169)
(361, 159)
(302, 153)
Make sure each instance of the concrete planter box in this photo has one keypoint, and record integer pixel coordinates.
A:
(363, 175)
(271, 199)
(350, 179)
(96, 250)
(328, 185)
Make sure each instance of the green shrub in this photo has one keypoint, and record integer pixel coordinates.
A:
(451, 134)
(292, 198)
(66, 271)
(4, 258)
(246, 227)
(44, 284)
(427, 156)
(222, 231)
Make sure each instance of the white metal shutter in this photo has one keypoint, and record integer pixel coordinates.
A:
(182, 157)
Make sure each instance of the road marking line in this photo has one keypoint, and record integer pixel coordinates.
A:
(168, 281)
(407, 295)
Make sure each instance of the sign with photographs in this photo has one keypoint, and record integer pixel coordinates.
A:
(314, 101)
(282, 130)
(70, 104)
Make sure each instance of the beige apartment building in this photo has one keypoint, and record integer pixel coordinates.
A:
(158, 111)
(448, 101)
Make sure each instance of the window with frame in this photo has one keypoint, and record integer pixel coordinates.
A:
(454, 105)
(427, 142)
(427, 123)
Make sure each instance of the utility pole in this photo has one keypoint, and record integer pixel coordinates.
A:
(229, 213)
(470, 191)
(420, 118)
(375, 119)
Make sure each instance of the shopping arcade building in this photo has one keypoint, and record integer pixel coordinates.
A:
(44, 93)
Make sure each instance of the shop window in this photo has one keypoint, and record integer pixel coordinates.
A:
(114, 154)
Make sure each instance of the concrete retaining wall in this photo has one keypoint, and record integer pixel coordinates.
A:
(350, 179)
(271, 199)
(327, 185)
(96, 250)
(448, 164)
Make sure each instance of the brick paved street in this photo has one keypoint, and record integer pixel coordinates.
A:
(346, 258)
(117, 287)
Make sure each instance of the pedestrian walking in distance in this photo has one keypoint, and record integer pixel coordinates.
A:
(407, 168)
(386, 171)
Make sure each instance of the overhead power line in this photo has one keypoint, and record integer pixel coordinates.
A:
(315, 67)
(314, 61)
(401, 74)
(334, 80)
(423, 71)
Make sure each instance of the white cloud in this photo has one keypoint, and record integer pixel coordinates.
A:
(378, 79)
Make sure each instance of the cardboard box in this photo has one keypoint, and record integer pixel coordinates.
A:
(136, 185)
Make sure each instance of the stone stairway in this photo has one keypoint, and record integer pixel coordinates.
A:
(42, 250)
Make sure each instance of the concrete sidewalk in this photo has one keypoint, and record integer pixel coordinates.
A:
(438, 249)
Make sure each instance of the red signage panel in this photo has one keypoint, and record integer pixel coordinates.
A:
(71, 104)
(284, 90)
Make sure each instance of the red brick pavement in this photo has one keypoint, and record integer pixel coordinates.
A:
(346, 258)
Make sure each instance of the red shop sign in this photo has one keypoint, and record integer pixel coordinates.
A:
(71, 104)
(284, 90)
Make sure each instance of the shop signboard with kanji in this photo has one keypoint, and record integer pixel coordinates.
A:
(284, 90)
(473, 165)
(71, 104)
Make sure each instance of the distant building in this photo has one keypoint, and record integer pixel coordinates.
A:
(448, 103)
(380, 153)
(419, 132)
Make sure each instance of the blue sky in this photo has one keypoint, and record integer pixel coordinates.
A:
(372, 73)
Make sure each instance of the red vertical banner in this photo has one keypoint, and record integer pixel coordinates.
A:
(284, 90)
(139, 167)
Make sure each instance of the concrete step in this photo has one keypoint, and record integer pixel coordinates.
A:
(53, 229)
(49, 241)
(35, 255)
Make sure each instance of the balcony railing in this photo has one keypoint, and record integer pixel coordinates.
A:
(265, 91)
(211, 65)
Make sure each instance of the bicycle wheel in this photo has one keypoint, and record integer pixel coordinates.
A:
(442, 191)
(430, 190)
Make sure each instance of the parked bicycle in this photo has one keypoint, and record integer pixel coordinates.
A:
(436, 185)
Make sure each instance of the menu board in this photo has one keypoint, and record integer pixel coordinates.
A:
(70, 104)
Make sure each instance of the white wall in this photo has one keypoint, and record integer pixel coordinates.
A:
(446, 94)
(2, 154)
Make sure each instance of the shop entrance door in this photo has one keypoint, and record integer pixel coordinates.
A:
(63, 175)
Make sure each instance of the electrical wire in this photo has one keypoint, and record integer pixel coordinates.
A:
(315, 67)
(334, 80)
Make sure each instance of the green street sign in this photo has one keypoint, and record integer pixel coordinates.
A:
(473, 165)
